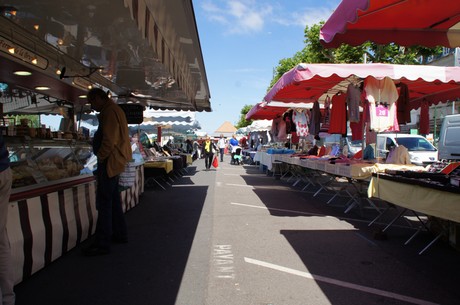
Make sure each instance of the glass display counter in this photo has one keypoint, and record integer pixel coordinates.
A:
(37, 163)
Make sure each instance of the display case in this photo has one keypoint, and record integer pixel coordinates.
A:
(40, 162)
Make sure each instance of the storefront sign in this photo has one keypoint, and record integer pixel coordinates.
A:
(19, 52)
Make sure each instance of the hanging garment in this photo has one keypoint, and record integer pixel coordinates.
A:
(402, 104)
(357, 129)
(353, 101)
(326, 118)
(278, 130)
(287, 117)
(338, 124)
(315, 120)
(301, 123)
(382, 96)
(424, 124)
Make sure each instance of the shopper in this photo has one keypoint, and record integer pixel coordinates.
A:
(208, 149)
(7, 296)
(221, 144)
(112, 147)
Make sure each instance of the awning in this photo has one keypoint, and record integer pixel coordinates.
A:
(307, 83)
(144, 51)
(410, 22)
(269, 111)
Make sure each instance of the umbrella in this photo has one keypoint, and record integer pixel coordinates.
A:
(410, 22)
(310, 82)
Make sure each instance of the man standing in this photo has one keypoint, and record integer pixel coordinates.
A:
(112, 147)
(7, 296)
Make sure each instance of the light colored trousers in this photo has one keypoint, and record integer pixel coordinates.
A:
(7, 296)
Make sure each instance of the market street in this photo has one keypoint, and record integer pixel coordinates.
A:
(238, 236)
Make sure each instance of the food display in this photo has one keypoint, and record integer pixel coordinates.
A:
(38, 161)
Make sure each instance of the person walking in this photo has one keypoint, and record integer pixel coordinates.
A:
(208, 149)
(221, 144)
(7, 295)
(112, 147)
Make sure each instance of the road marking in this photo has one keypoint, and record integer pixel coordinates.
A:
(332, 281)
(224, 261)
(240, 185)
(312, 214)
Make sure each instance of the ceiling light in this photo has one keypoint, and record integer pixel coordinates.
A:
(22, 73)
(42, 88)
(36, 27)
(34, 61)
(11, 50)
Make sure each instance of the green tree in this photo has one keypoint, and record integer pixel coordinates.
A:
(242, 122)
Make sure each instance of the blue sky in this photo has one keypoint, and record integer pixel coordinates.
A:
(242, 42)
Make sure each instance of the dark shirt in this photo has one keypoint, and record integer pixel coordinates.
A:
(4, 155)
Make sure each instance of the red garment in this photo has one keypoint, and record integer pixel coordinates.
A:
(424, 127)
(403, 109)
(294, 137)
(357, 129)
(338, 123)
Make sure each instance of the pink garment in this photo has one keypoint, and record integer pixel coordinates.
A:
(382, 96)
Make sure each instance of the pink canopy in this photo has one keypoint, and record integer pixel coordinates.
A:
(307, 83)
(410, 22)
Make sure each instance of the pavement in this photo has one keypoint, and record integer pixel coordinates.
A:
(174, 235)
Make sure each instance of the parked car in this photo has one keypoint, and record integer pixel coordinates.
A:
(449, 138)
(421, 151)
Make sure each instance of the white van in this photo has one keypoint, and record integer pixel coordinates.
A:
(449, 138)
(421, 151)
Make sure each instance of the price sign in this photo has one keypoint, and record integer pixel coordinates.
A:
(381, 110)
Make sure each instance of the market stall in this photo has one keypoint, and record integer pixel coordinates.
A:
(429, 23)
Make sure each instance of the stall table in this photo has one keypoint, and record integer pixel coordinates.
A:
(431, 199)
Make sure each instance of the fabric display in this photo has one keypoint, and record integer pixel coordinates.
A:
(338, 122)
(382, 96)
(353, 102)
(301, 123)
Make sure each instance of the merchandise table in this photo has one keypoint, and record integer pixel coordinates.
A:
(188, 157)
(157, 169)
(418, 196)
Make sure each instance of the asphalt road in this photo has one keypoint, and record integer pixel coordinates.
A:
(235, 236)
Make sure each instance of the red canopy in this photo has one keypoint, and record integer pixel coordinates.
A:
(410, 22)
(262, 111)
(310, 82)
(269, 111)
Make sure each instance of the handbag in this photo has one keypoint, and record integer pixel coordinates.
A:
(215, 162)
